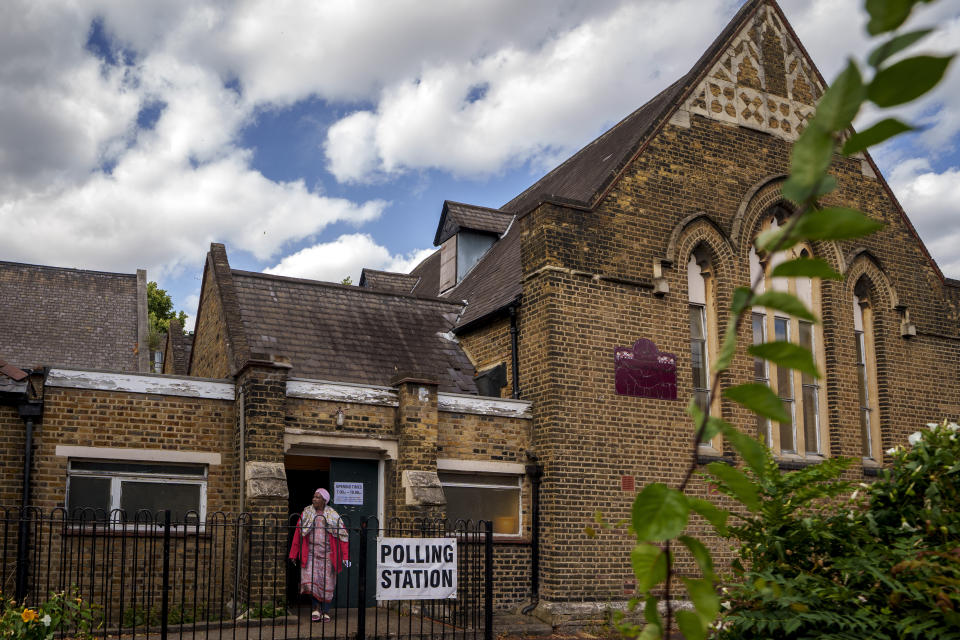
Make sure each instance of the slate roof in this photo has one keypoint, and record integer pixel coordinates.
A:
(351, 334)
(428, 273)
(580, 180)
(457, 215)
(13, 381)
(389, 281)
(68, 317)
(493, 283)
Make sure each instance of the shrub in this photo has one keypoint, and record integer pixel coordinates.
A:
(66, 612)
(884, 565)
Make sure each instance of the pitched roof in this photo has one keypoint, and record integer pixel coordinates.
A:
(583, 178)
(580, 181)
(70, 318)
(388, 281)
(428, 272)
(493, 283)
(353, 334)
(457, 215)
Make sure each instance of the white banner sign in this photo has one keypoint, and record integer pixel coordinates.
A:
(416, 568)
(347, 493)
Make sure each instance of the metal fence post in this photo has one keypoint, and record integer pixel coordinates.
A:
(362, 583)
(165, 593)
(488, 582)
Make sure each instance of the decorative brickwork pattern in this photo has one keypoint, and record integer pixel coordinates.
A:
(762, 81)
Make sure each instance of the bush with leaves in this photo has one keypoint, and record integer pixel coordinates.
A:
(61, 613)
(798, 576)
(883, 562)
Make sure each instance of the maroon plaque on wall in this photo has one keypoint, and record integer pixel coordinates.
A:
(645, 371)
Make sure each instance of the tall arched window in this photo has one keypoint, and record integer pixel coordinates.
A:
(866, 375)
(702, 327)
(799, 392)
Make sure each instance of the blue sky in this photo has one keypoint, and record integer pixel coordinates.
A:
(316, 138)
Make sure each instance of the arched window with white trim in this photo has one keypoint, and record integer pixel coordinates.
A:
(703, 328)
(801, 394)
(864, 345)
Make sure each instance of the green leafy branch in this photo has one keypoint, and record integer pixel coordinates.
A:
(660, 513)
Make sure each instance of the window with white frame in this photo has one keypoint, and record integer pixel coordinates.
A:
(702, 316)
(799, 392)
(483, 496)
(866, 378)
(105, 486)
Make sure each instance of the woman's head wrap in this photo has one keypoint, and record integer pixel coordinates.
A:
(323, 493)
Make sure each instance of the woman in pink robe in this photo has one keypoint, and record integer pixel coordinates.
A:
(320, 548)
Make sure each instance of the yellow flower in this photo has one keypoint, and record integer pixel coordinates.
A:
(29, 615)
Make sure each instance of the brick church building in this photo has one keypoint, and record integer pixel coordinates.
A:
(537, 366)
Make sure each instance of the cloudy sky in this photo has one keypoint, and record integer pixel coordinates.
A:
(316, 137)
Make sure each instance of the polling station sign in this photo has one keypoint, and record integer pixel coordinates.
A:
(416, 568)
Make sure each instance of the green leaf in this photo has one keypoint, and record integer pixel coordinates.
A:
(727, 349)
(712, 427)
(650, 632)
(704, 597)
(877, 133)
(887, 15)
(786, 354)
(741, 299)
(750, 449)
(773, 240)
(906, 80)
(711, 513)
(701, 555)
(840, 104)
(691, 626)
(650, 612)
(760, 399)
(834, 223)
(811, 157)
(659, 513)
(649, 566)
(895, 45)
(742, 487)
(785, 302)
(805, 268)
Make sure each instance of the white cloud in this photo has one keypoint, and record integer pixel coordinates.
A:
(345, 256)
(531, 101)
(931, 200)
(164, 217)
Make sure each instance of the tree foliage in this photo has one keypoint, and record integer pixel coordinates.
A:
(159, 312)
(813, 564)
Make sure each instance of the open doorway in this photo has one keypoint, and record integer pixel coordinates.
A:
(354, 486)
(305, 474)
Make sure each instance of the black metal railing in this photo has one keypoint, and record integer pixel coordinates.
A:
(230, 576)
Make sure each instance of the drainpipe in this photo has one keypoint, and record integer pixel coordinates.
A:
(514, 355)
(29, 411)
(535, 471)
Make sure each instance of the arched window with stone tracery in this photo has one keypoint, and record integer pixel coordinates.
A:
(804, 434)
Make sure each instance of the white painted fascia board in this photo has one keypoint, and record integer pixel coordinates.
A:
(303, 442)
(140, 455)
(342, 392)
(480, 466)
(141, 383)
(485, 406)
